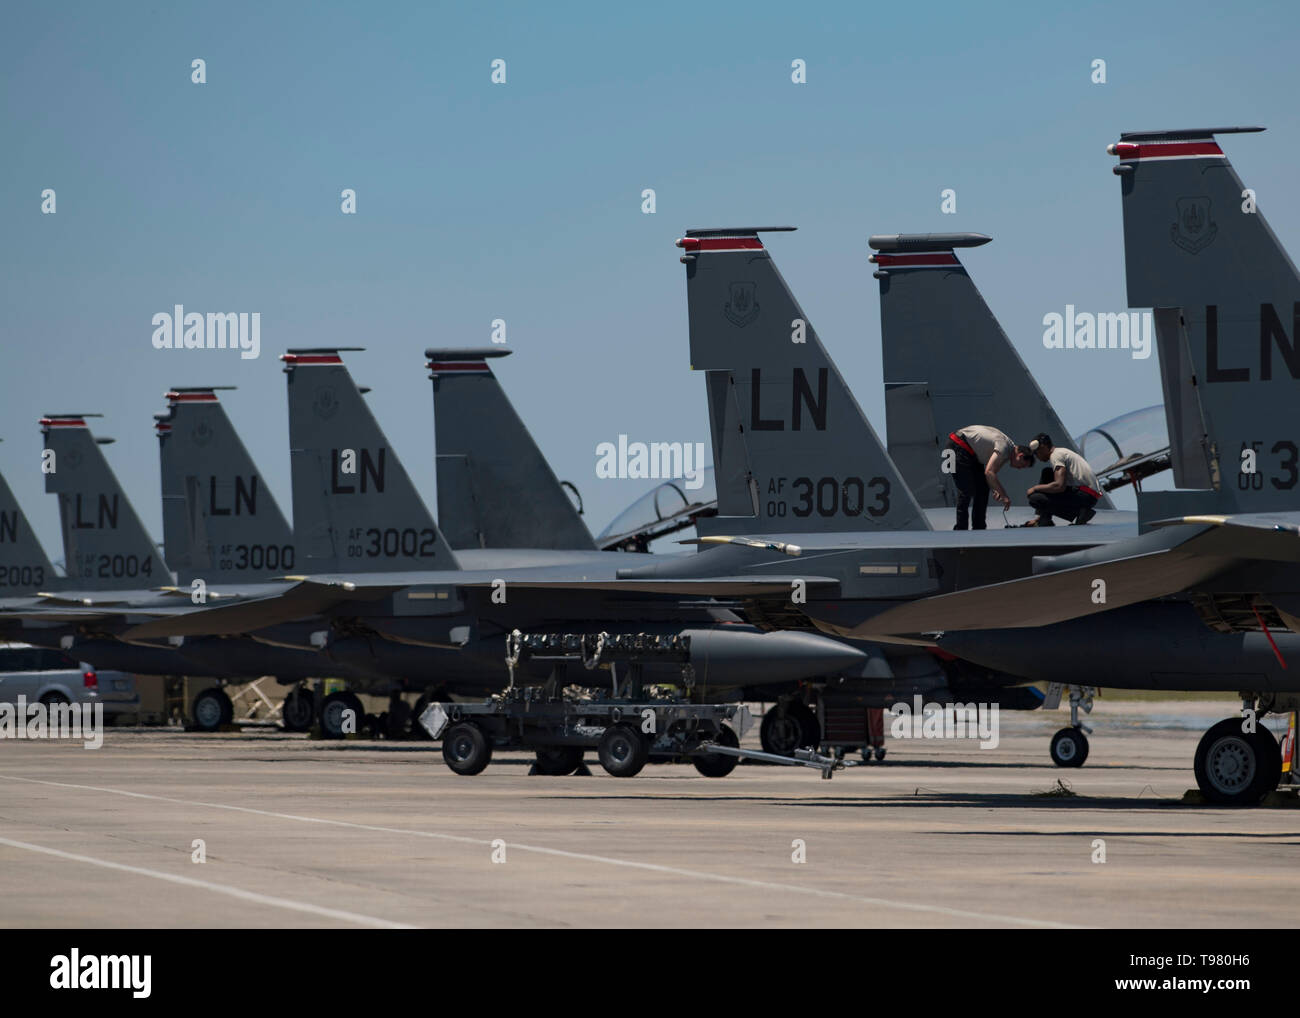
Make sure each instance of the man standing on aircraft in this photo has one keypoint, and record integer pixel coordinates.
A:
(981, 452)
(1072, 493)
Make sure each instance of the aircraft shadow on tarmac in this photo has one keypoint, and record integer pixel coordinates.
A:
(933, 799)
(655, 769)
(1033, 799)
(1101, 833)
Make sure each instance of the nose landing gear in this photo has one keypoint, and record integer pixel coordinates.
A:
(1070, 745)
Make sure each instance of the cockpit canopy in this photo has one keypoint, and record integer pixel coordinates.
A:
(665, 509)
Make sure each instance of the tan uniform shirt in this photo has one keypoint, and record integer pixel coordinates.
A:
(986, 441)
(1077, 471)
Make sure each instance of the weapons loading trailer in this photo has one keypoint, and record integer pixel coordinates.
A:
(626, 726)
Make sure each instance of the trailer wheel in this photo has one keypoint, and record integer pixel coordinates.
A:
(558, 761)
(212, 709)
(718, 765)
(466, 748)
(623, 751)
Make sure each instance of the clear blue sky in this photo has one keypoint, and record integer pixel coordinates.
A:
(523, 202)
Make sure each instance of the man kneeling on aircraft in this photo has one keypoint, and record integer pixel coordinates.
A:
(1072, 491)
(981, 452)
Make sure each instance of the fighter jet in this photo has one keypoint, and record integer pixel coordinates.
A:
(1220, 553)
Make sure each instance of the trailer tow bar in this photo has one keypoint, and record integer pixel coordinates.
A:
(802, 758)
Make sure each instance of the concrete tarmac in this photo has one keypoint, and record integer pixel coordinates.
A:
(302, 833)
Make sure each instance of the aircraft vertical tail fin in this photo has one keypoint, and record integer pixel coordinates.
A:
(947, 361)
(354, 506)
(24, 566)
(792, 450)
(220, 521)
(1227, 314)
(495, 488)
(105, 545)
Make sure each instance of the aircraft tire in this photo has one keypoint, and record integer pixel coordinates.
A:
(1069, 748)
(623, 751)
(1233, 768)
(332, 714)
(718, 765)
(789, 727)
(211, 709)
(557, 761)
(812, 729)
(466, 748)
(298, 710)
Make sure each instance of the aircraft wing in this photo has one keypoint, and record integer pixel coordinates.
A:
(312, 595)
(699, 586)
(302, 600)
(1172, 558)
(1285, 522)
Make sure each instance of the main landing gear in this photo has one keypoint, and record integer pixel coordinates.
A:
(212, 709)
(1238, 761)
(298, 710)
(341, 714)
(788, 726)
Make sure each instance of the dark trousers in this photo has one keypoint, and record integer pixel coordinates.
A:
(972, 490)
(1065, 504)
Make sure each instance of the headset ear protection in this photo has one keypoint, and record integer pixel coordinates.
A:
(1033, 446)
